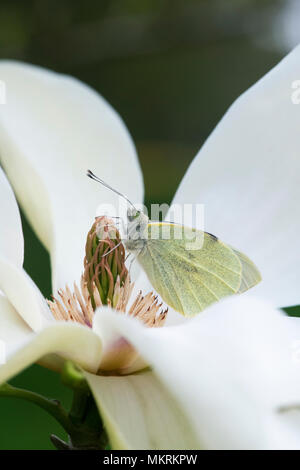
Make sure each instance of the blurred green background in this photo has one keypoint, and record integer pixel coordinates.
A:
(171, 68)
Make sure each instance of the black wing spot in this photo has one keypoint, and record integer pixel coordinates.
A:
(213, 236)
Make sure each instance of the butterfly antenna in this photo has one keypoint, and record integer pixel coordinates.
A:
(91, 175)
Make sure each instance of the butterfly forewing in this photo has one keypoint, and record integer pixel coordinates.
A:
(192, 271)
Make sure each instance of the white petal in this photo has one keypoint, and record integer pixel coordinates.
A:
(117, 353)
(14, 282)
(139, 413)
(11, 234)
(229, 369)
(247, 175)
(13, 329)
(52, 129)
(24, 295)
(284, 431)
(68, 340)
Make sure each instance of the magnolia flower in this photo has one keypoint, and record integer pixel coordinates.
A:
(220, 380)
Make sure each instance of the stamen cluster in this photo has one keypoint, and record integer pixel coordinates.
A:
(105, 281)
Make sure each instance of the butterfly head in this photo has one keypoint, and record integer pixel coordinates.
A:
(132, 214)
(137, 224)
(137, 221)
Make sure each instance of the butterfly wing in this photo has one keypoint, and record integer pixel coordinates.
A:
(189, 280)
(250, 274)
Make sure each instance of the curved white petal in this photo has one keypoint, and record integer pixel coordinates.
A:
(14, 282)
(117, 354)
(13, 329)
(24, 295)
(229, 369)
(247, 175)
(52, 128)
(139, 413)
(68, 340)
(11, 234)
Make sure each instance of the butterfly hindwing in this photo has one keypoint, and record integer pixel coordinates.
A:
(250, 274)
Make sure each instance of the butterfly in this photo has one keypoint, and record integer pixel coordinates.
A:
(189, 268)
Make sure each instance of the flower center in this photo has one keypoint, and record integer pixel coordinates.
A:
(105, 281)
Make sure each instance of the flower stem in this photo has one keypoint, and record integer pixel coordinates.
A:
(82, 424)
(78, 409)
(53, 407)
